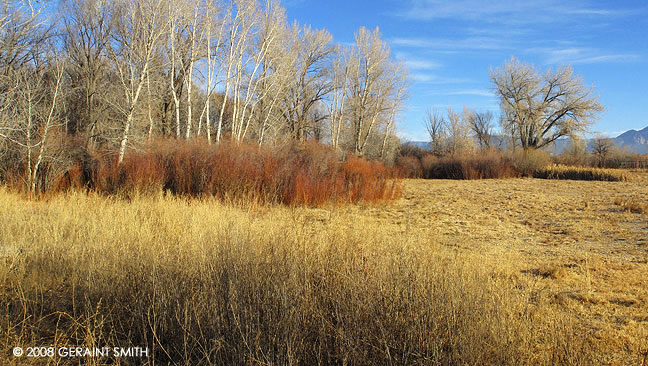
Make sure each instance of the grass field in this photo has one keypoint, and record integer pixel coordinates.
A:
(572, 243)
(516, 271)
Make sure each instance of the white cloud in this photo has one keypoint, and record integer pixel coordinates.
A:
(436, 79)
(582, 55)
(476, 92)
(414, 63)
(471, 43)
(507, 11)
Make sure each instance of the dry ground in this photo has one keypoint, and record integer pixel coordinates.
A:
(566, 240)
(517, 271)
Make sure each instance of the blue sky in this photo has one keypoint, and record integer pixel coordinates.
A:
(450, 46)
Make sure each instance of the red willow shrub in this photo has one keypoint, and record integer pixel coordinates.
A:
(485, 165)
(308, 174)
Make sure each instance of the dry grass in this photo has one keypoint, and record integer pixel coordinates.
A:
(201, 282)
(565, 241)
(632, 204)
(519, 271)
(580, 173)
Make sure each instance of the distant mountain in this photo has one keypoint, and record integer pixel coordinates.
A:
(633, 141)
(420, 144)
(636, 141)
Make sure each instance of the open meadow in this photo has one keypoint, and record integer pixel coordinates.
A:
(515, 271)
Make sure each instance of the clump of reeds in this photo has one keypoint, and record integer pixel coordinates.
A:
(579, 173)
(633, 205)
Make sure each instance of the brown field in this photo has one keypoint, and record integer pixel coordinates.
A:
(571, 242)
(516, 271)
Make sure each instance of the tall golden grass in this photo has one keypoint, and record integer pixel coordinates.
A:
(580, 173)
(633, 205)
(200, 282)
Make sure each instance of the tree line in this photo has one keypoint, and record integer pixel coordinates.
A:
(117, 74)
(536, 109)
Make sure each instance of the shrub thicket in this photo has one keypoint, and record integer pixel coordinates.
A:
(487, 165)
(497, 164)
(307, 174)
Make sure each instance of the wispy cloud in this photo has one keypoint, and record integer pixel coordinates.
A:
(471, 43)
(507, 11)
(415, 63)
(582, 55)
(473, 92)
(477, 92)
(428, 78)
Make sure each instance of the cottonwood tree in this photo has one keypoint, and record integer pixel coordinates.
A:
(180, 44)
(435, 125)
(23, 30)
(601, 148)
(85, 32)
(457, 129)
(34, 112)
(195, 37)
(30, 86)
(242, 21)
(137, 69)
(271, 30)
(540, 108)
(400, 84)
(481, 125)
(138, 28)
(274, 77)
(340, 79)
(375, 83)
(576, 152)
(214, 36)
(311, 80)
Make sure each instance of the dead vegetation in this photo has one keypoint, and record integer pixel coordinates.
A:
(199, 282)
(298, 174)
(580, 173)
(634, 205)
(519, 271)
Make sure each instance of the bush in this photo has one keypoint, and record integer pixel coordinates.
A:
(487, 165)
(526, 162)
(409, 167)
(308, 174)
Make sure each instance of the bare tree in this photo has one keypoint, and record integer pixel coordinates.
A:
(272, 29)
(215, 23)
(375, 83)
(541, 108)
(340, 72)
(310, 82)
(241, 27)
(436, 127)
(86, 30)
(457, 129)
(602, 146)
(576, 152)
(139, 25)
(481, 125)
